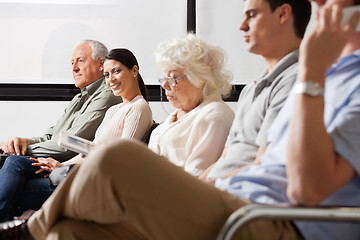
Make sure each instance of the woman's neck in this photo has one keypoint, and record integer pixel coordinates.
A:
(181, 113)
(130, 96)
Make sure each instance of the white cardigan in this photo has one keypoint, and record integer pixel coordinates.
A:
(126, 121)
(196, 140)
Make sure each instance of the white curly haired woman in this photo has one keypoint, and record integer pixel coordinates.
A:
(195, 81)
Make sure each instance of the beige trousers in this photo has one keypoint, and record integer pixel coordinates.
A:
(125, 191)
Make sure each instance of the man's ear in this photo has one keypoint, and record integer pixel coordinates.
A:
(285, 12)
(101, 62)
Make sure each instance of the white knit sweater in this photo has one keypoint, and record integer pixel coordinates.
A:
(127, 121)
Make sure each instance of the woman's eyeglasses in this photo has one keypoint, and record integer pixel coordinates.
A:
(170, 80)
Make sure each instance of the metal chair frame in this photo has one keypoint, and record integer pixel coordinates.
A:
(254, 212)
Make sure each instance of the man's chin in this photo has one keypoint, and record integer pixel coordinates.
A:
(79, 84)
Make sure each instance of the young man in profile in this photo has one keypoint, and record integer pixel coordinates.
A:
(272, 29)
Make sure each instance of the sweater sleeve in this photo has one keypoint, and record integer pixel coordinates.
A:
(137, 121)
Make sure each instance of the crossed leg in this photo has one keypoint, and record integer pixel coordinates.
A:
(126, 191)
(128, 184)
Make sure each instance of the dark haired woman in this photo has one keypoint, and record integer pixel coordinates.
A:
(25, 187)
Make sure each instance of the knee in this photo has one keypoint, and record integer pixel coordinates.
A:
(119, 152)
(16, 162)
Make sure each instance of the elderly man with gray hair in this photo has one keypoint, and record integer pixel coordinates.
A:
(83, 114)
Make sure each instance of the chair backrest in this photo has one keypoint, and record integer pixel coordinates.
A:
(153, 126)
(2, 159)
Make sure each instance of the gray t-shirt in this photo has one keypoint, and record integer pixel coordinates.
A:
(259, 103)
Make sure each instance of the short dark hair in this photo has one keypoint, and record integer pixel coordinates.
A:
(301, 10)
(128, 59)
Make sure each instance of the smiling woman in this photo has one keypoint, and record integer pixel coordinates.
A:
(130, 119)
(121, 71)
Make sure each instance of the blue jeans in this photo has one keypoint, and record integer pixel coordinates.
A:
(21, 187)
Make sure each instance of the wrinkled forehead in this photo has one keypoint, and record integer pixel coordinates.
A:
(81, 51)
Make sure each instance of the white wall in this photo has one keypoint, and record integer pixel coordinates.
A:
(219, 22)
(30, 119)
(38, 36)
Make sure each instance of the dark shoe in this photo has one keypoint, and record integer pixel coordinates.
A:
(15, 230)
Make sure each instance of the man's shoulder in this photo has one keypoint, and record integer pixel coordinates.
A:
(290, 71)
(102, 88)
(286, 68)
(105, 93)
(287, 77)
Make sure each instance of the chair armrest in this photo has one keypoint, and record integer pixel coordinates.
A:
(253, 212)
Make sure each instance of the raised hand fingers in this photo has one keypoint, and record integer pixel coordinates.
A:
(330, 18)
(336, 16)
(23, 149)
(325, 17)
(324, 42)
(17, 146)
(335, 20)
(9, 148)
(20, 145)
(352, 24)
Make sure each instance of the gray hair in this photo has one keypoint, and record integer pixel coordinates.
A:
(99, 50)
(203, 64)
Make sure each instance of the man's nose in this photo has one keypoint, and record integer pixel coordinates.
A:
(75, 67)
(244, 26)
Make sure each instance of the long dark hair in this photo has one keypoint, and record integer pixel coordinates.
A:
(127, 58)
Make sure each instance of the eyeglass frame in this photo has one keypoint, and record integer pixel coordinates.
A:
(170, 80)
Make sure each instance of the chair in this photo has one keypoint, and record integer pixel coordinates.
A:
(254, 212)
(153, 126)
(2, 159)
